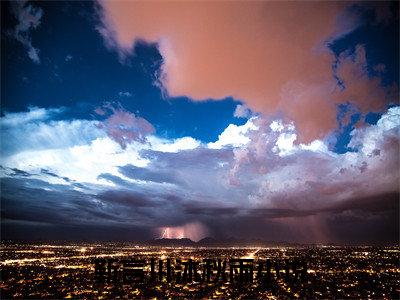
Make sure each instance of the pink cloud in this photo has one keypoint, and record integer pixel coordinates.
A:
(124, 127)
(365, 91)
(100, 111)
(271, 55)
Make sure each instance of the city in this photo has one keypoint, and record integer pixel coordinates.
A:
(204, 149)
(69, 271)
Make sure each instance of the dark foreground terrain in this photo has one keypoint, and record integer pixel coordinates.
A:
(70, 271)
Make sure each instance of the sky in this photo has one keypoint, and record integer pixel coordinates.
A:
(134, 120)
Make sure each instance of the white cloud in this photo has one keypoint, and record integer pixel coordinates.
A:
(45, 135)
(33, 114)
(279, 171)
(315, 146)
(284, 144)
(367, 139)
(233, 135)
(176, 145)
(250, 166)
(254, 164)
(391, 119)
(125, 94)
(77, 149)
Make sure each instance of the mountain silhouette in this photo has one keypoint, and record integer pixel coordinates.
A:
(213, 242)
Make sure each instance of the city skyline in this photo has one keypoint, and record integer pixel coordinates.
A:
(134, 120)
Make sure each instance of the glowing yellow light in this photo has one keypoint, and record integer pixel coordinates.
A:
(251, 255)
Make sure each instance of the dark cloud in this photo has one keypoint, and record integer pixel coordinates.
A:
(18, 172)
(26, 231)
(37, 201)
(365, 228)
(47, 172)
(126, 198)
(193, 208)
(63, 212)
(114, 179)
(298, 196)
(373, 204)
(160, 176)
(380, 213)
(270, 213)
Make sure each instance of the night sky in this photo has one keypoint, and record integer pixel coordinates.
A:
(130, 120)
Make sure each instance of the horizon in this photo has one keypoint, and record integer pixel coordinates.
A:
(129, 121)
(228, 242)
(199, 149)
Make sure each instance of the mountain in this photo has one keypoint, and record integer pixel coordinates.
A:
(184, 242)
(212, 242)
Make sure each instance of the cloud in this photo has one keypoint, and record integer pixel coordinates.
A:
(47, 136)
(145, 174)
(194, 231)
(125, 94)
(33, 114)
(360, 170)
(360, 88)
(375, 203)
(175, 145)
(18, 172)
(367, 139)
(233, 136)
(124, 127)
(255, 52)
(126, 198)
(264, 187)
(29, 18)
(100, 111)
(34, 141)
(242, 111)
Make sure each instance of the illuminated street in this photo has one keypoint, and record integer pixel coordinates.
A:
(67, 271)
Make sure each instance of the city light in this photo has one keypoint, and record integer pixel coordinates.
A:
(55, 271)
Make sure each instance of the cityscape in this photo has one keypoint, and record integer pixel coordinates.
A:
(199, 149)
(31, 271)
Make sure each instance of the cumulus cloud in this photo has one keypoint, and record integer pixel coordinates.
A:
(332, 177)
(367, 140)
(264, 186)
(29, 18)
(233, 136)
(246, 50)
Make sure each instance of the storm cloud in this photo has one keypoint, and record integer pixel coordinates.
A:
(264, 187)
